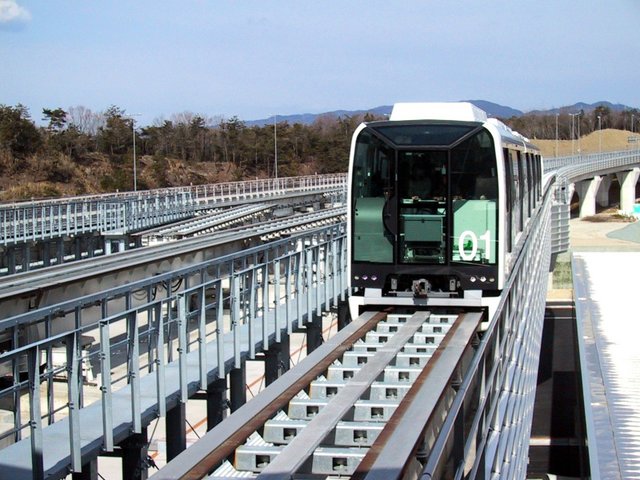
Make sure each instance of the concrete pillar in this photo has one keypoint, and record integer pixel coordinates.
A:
(26, 257)
(238, 384)
(11, 259)
(277, 360)
(60, 250)
(314, 333)
(628, 182)
(134, 456)
(602, 198)
(91, 246)
(570, 191)
(77, 248)
(176, 430)
(216, 402)
(46, 253)
(89, 471)
(587, 191)
(343, 315)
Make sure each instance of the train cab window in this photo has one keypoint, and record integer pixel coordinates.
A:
(372, 187)
(422, 186)
(474, 195)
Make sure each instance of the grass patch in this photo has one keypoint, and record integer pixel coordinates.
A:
(562, 277)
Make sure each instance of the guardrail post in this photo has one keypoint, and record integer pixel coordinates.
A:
(105, 371)
(73, 378)
(35, 423)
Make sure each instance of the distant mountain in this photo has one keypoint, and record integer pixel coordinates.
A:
(492, 109)
(587, 107)
(309, 118)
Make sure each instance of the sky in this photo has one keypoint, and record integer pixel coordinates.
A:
(256, 58)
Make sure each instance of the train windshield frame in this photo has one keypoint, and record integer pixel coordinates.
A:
(425, 193)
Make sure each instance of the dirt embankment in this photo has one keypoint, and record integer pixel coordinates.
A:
(608, 140)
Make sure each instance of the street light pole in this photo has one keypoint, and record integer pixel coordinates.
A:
(600, 131)
(557, 115)
(579, 137)
(275, 143)
(133, 131)
(573, 116)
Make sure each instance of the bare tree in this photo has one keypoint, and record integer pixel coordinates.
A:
(85, 120)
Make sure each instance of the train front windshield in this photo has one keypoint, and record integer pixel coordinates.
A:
(424, 194)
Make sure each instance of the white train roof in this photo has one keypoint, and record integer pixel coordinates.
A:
(457, 111)
(453, 111)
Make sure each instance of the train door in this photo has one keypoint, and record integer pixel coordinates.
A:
(422, 206)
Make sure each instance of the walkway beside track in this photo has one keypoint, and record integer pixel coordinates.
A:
(161, 392)
(605, 289)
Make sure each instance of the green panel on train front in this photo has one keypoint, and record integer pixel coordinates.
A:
(369, 241)
(474, 231)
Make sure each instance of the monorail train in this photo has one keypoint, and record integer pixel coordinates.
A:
(439, 196)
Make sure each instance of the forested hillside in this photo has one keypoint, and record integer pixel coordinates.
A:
(78, 151)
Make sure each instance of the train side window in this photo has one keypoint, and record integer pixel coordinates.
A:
(524, 187)
(530, 180)
(539, 175)
(508, 177)
(372, 187)
(516, 205)
(534, 181)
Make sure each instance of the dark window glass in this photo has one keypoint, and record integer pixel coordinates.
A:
(422, 186)
(424, 134)
(372, 186)
(474, 195)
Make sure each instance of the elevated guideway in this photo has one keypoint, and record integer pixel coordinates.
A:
(482, 432)
(40, 288)
(40, 233)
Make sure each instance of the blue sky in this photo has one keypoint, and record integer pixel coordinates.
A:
(255, 58)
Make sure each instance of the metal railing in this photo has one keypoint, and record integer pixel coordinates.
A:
(120, 213)
(172, 333)
(574, 168)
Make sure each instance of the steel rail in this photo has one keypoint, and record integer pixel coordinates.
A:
(391, 454)
(305, 442)
(200, 459)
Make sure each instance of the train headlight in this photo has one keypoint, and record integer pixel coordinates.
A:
(365, 277)
(473, 279)
(374, 278)
(483, 279)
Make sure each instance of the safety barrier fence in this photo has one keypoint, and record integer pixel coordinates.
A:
(170, 335)
(120, 213)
